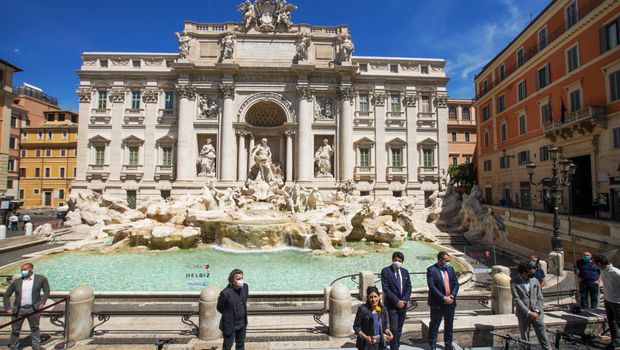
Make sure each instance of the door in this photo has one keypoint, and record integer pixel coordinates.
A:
(47, 198)
(615, 199)
(581, 187)
(526, 200)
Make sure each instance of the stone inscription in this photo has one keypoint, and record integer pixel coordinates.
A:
(324, 52)
(281, 50)
(209, 49)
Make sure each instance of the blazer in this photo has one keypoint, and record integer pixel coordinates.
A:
(39, 283)
(436, 286)
(391, 287)
(526, 300)
(228, 309)
(364, 322)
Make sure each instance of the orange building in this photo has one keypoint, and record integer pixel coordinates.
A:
(6, 123)
(461, 131)
(557, 83)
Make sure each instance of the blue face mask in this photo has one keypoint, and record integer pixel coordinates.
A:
(24, 273)
(533, 263)
(447, 264)
(586, 258)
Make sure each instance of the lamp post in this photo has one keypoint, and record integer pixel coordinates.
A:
(557, 181)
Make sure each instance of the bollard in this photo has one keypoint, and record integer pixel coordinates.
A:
(209, 317)
(340, 312)
(81, 300)
(2, 232)
(326, 293)
(367, 279)
(555, 263)
(28, 229)
(500, 268)
(501, 293)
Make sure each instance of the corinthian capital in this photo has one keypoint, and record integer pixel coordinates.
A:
(305, 93)
(117, 95)
(378, 98)
(227, 91)
(150, 95)
(84, 94)
(346, 93)
(410, 100)
(186, 91)
(441, 101)
(289, 133)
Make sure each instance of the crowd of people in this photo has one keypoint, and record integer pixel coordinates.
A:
(12, 221)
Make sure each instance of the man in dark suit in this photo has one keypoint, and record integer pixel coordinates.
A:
(28, 299)
(396, 286)
(443, 286)
(232, 304)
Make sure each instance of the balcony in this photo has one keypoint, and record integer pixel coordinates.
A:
(427, 120)
(100, 116)
(582, 121)
(396, 173)
(364, 173)
(461, 122)
(165, 172)
(134, 171)
(427, 173)
(133, 120)
(395, 120)
(364, 119)
(99, 171)
(167, 117)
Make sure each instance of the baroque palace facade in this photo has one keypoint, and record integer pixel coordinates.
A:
(166, 124)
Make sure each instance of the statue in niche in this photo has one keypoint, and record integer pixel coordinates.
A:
(346, 48)
(323, 160)
(262, 161)
(208, 108)
(323, 109)
(265, 177)
(302, 48)
(249, 14)
(183, 39)
(228, 46)
(207, 159)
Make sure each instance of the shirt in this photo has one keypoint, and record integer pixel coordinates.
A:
(13, 218)
(539, 274)
(588, 272)
(27, 291)
(26, 217)
(611, 282)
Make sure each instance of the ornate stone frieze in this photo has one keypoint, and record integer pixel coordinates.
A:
(90, 62)
(437, 68)
(153, 61)
(117, 95)
(208, 108)
(150, 95)
(410, 100)
(346, 93)
(305, 93)
(265, 78)
(412, 67)
(441, 101)
(120, 61)
(324, 108)
(378, 98)
(186, 91)
(266, 16)
(227, 91)
(84, 94)
(378, 66)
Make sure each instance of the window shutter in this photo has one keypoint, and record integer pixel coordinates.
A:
(603, 39)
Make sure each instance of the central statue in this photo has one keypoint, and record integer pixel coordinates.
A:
(262, 161)
(265, 177)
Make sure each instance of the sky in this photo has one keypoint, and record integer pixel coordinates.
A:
(46, 37)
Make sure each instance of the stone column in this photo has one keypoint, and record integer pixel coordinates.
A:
(442, 132)
(151, 97)
(186, 168)
(289, 154)
(345, 130)
(250, 148)
(228, 146)
(380, 117)
(340, 311)
(209, 317)
(85, 97)
(80, 311)
(305, 165)
(116, 158)
(242, 157)
(412, 153)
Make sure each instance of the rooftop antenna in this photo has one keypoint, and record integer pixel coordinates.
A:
(530, 17)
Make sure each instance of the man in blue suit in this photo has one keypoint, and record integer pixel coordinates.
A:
(443, 286)
(396, 286)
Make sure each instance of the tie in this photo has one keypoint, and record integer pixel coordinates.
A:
(446, 282)
(400, 281)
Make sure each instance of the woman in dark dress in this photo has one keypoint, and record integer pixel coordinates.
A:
(370, 324)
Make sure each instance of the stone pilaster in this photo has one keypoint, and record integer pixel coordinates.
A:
(116, 160)
(85, 96)
(379, 100)
(242, 157)
(442, 131)
(228, 146)
(186, 168)
(411, 113)
(289, 154)
(150, 96)
(305, 164)
(345, 130)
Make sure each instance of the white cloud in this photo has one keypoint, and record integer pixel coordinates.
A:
(16, 50)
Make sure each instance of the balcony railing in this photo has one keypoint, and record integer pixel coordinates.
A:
(134, 120)
(573, 119)
(134, 111)
(38, 94)
(396, 173)
(98, 170)
(100, 111)
(167, 117)
(364, 173)
(162, 171)
(426, 115)
(427, 171)
(364, 118)
(136, 170)
(551, 37)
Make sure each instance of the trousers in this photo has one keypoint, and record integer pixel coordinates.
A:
(16, 328)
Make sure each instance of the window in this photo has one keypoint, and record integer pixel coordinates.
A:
(504, 162)
(61, 194)
(37, 153)
(48, 152)
(61, 117)
(131, 198)
(542, 39)
(503, 132)
(13, 122)
(453, 137)
(501, 103)
(169, 100)
(23, 153)
(49, 135)
(9, 183)
(74, 171)
(424, 69)
(485, 86)
(544, 153)
(48, 172)
(397, 157)
(103, 63)
(365, 157)
(136, 63)
(485, 113)
(487, 165)
(11, 165)
(395, 102)
(363, 102)
(363, 67)
(466, 137)
(614, 86)
(522, 124)
(520, 57)
(49, 117)
(522, 90)
(452, 112)
(616, 137)
(455, 160)
(465, 113)
(12, 143)
(393, 68)
(543, 76)
(22, 172)
(37, 172)
(99, 155)
(24, 135)
(425, 104)
(21, 193)
(64, 134)
(429, 157)
(74, 118)
(609, 36)
(133, 155)
(397, 194)
(575, 100)
(545, 112)
(486, 139)
(502, 72)
(63, 152)
(571, 14)
(467, 159)
(135, 99)
(167, 156)
(364, 193)
(40, 135)
(572, 58)
(524, 157)
(35, 191)
(62, 173)
(102, 100)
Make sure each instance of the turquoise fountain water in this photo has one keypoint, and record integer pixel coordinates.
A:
(194, 269)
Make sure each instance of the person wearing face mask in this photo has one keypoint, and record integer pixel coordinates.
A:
(610, 276)
(232, 304)
(371, 326)
(539, 274)
(443, 286)
(28, 299)
(588, 276)
(528, 299)
(396, 286)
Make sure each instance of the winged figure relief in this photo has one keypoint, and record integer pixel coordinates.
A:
(266, 14)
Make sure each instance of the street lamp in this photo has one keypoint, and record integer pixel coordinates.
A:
(567, 171)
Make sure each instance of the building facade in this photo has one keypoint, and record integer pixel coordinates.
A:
(6, 100)
(162, 124)
(557, 83)
(461, 131)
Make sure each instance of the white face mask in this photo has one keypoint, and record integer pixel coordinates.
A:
(397, 264)
(239, 283)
